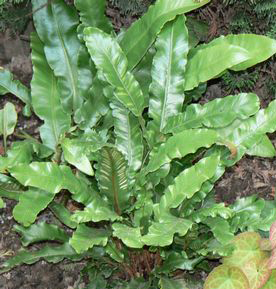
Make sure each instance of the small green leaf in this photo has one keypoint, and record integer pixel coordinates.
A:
(86, 237)
(75, 156)
(226, 277)
(92, 14)
(63, 214)
(19, 153)
(161, 233)
(8, 84)
(41, 232)
(264, 148)
(220, 229)
(8, 119)
(30, 203)
(96, 210)
(129, 236)
(114, 252)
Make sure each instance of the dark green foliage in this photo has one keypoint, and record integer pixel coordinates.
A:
(13, 14)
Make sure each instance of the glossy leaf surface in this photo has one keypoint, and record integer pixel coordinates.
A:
(96, 210)
(110, 59)
(239, 52)
(150, 24)
(219, 112)
(56, 26)
(181, 144)
(46, 97)
(41, 232)
(75, 156)
(30, 204)
(8, 84)
(131, 237)
(171, 284)
(129, 136)
(264, 148)
(47, 176)
(50, 254)
(92, 14)
(86, 237)
(20, 152)
(188, 182)
(8, 119)
(167, 73)
(161, 233)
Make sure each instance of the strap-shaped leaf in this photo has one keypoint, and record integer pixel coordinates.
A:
(10, 188)
(128, 136)
(56, 26)
(8, 84)
(63, 214)
(110, 59)
(168, 72)
(92, 14)
(41, 232)
(75, 156)
(181, 144)
(8, 119)
(20, 152)
(239, 52)
(86, 237)
(140, 36)
(46, 97)
(226, 277)
(187, 183)
(50, 254)
(245, 134)
(93, 108)
(48, 176)
(220, 228)
(131, 237)
(96, 210)
(161, 233)
(30, 204)
(216, 113)
(264, 148)
(112, 178)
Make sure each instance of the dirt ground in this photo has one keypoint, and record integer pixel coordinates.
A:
(249, 176)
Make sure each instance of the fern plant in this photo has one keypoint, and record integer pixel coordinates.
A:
(137, 161)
